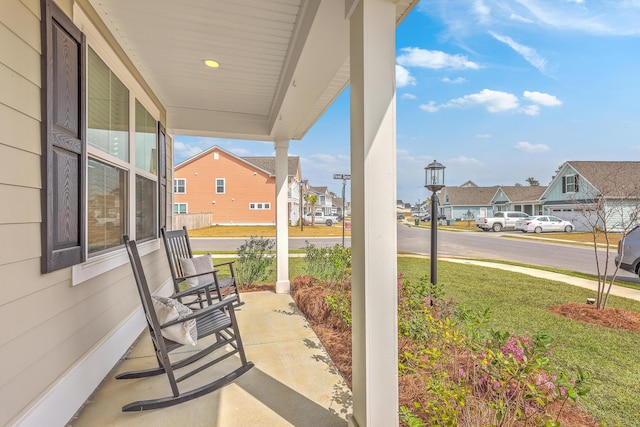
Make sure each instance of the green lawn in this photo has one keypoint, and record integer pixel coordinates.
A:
(519, 303)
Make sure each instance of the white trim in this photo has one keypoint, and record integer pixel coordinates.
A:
(59, 404)
(101, 264)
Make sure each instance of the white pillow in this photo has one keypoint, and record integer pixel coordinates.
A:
(196, 265)
(168, 309)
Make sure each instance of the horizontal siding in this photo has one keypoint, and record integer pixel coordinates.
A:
(19, 130)
(50, 326)
(244, 185)
(21, 205)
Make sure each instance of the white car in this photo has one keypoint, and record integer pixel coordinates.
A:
(543, 223)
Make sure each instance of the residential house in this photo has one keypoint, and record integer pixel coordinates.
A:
(603, 194)
(467, 202)
(236, 190)
(519, 198)
(325, 200)
(92, 93)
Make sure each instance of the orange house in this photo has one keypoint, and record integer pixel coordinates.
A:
(237, 190)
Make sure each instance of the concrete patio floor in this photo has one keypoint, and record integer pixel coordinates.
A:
(293, 382)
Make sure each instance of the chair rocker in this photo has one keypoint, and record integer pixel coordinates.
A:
(177, 247)
(217, 319)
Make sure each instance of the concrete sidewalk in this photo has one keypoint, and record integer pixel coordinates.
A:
(293, 382)
(576, 281)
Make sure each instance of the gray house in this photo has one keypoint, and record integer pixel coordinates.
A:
(467, 202)
(594, 193)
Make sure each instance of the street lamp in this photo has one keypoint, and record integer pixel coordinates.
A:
(434, 181)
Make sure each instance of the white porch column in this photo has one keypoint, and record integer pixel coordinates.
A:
(282, 215)
(373, 230)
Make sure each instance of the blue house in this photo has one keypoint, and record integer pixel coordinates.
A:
(467, 202)
(519, 198)
(595, 194)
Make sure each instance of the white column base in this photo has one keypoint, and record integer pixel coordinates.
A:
(283, 287)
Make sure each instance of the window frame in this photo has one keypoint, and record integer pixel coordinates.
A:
(224, 186)
(176, 186)
(264, 206)
(82, 267)
(186, 208)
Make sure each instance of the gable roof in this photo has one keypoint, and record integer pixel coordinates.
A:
(268, 163)
(471, 196)
(616, 179)
(610, 178)
(521, 193)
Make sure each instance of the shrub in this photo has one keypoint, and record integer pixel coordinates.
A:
(332, 264)
(255, 258)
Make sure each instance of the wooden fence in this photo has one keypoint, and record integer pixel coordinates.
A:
(192, 221)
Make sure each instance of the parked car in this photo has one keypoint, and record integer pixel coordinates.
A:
(543, 223)
(400, 215)
(628, 257)
(427, 217)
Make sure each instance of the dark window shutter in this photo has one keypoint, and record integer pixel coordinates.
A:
(564, 184)
(575, 185)
(162, 176)
(63, 140)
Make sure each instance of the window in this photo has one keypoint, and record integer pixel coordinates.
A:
(102, 177)
(180, 208)
(220, 186)
(259, 206)
(570, 184)
(180, 186)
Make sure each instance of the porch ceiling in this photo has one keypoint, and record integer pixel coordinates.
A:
(282, 62)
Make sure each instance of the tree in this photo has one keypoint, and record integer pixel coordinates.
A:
(533, 182)
(614, 207)
(312, 199)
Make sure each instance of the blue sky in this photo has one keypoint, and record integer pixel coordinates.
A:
(497, 91)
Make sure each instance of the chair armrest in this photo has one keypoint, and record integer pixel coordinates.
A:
(224, 263)
(220, 305)
(195, 289)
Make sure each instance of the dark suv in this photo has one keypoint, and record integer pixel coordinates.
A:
(629, 251)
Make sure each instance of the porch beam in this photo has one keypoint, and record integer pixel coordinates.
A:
(373, 193)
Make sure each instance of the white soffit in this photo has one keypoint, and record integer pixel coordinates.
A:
(282, 62)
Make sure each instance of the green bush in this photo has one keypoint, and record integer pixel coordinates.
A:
(255, 258)
(331, 264)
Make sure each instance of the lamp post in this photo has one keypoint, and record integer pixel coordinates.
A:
(344, 177)
(434, 181)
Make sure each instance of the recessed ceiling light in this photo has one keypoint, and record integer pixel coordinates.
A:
(211, 63)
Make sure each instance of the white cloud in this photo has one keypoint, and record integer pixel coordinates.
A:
(483, 135)
(185, 151)
(430, 107)
(482, 11)
(404, 77)
(408, 96)
(516, 17)
(531, 110)
(434, 59)
(457, 80)
(465, 161)
(531, 148)
(528, 53)
(494, 101)
(542, 98)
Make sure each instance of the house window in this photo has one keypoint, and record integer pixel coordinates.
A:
(110, 165)
(219, 185)
(570, 184)
(180, 186)
(108, 110)
(101, 145)
(258, 206)
(180, 208)
(106, 206)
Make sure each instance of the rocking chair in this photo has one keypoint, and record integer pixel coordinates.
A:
(178, 248)
(217, 319)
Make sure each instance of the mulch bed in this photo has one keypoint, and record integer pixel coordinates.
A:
(609, 317)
